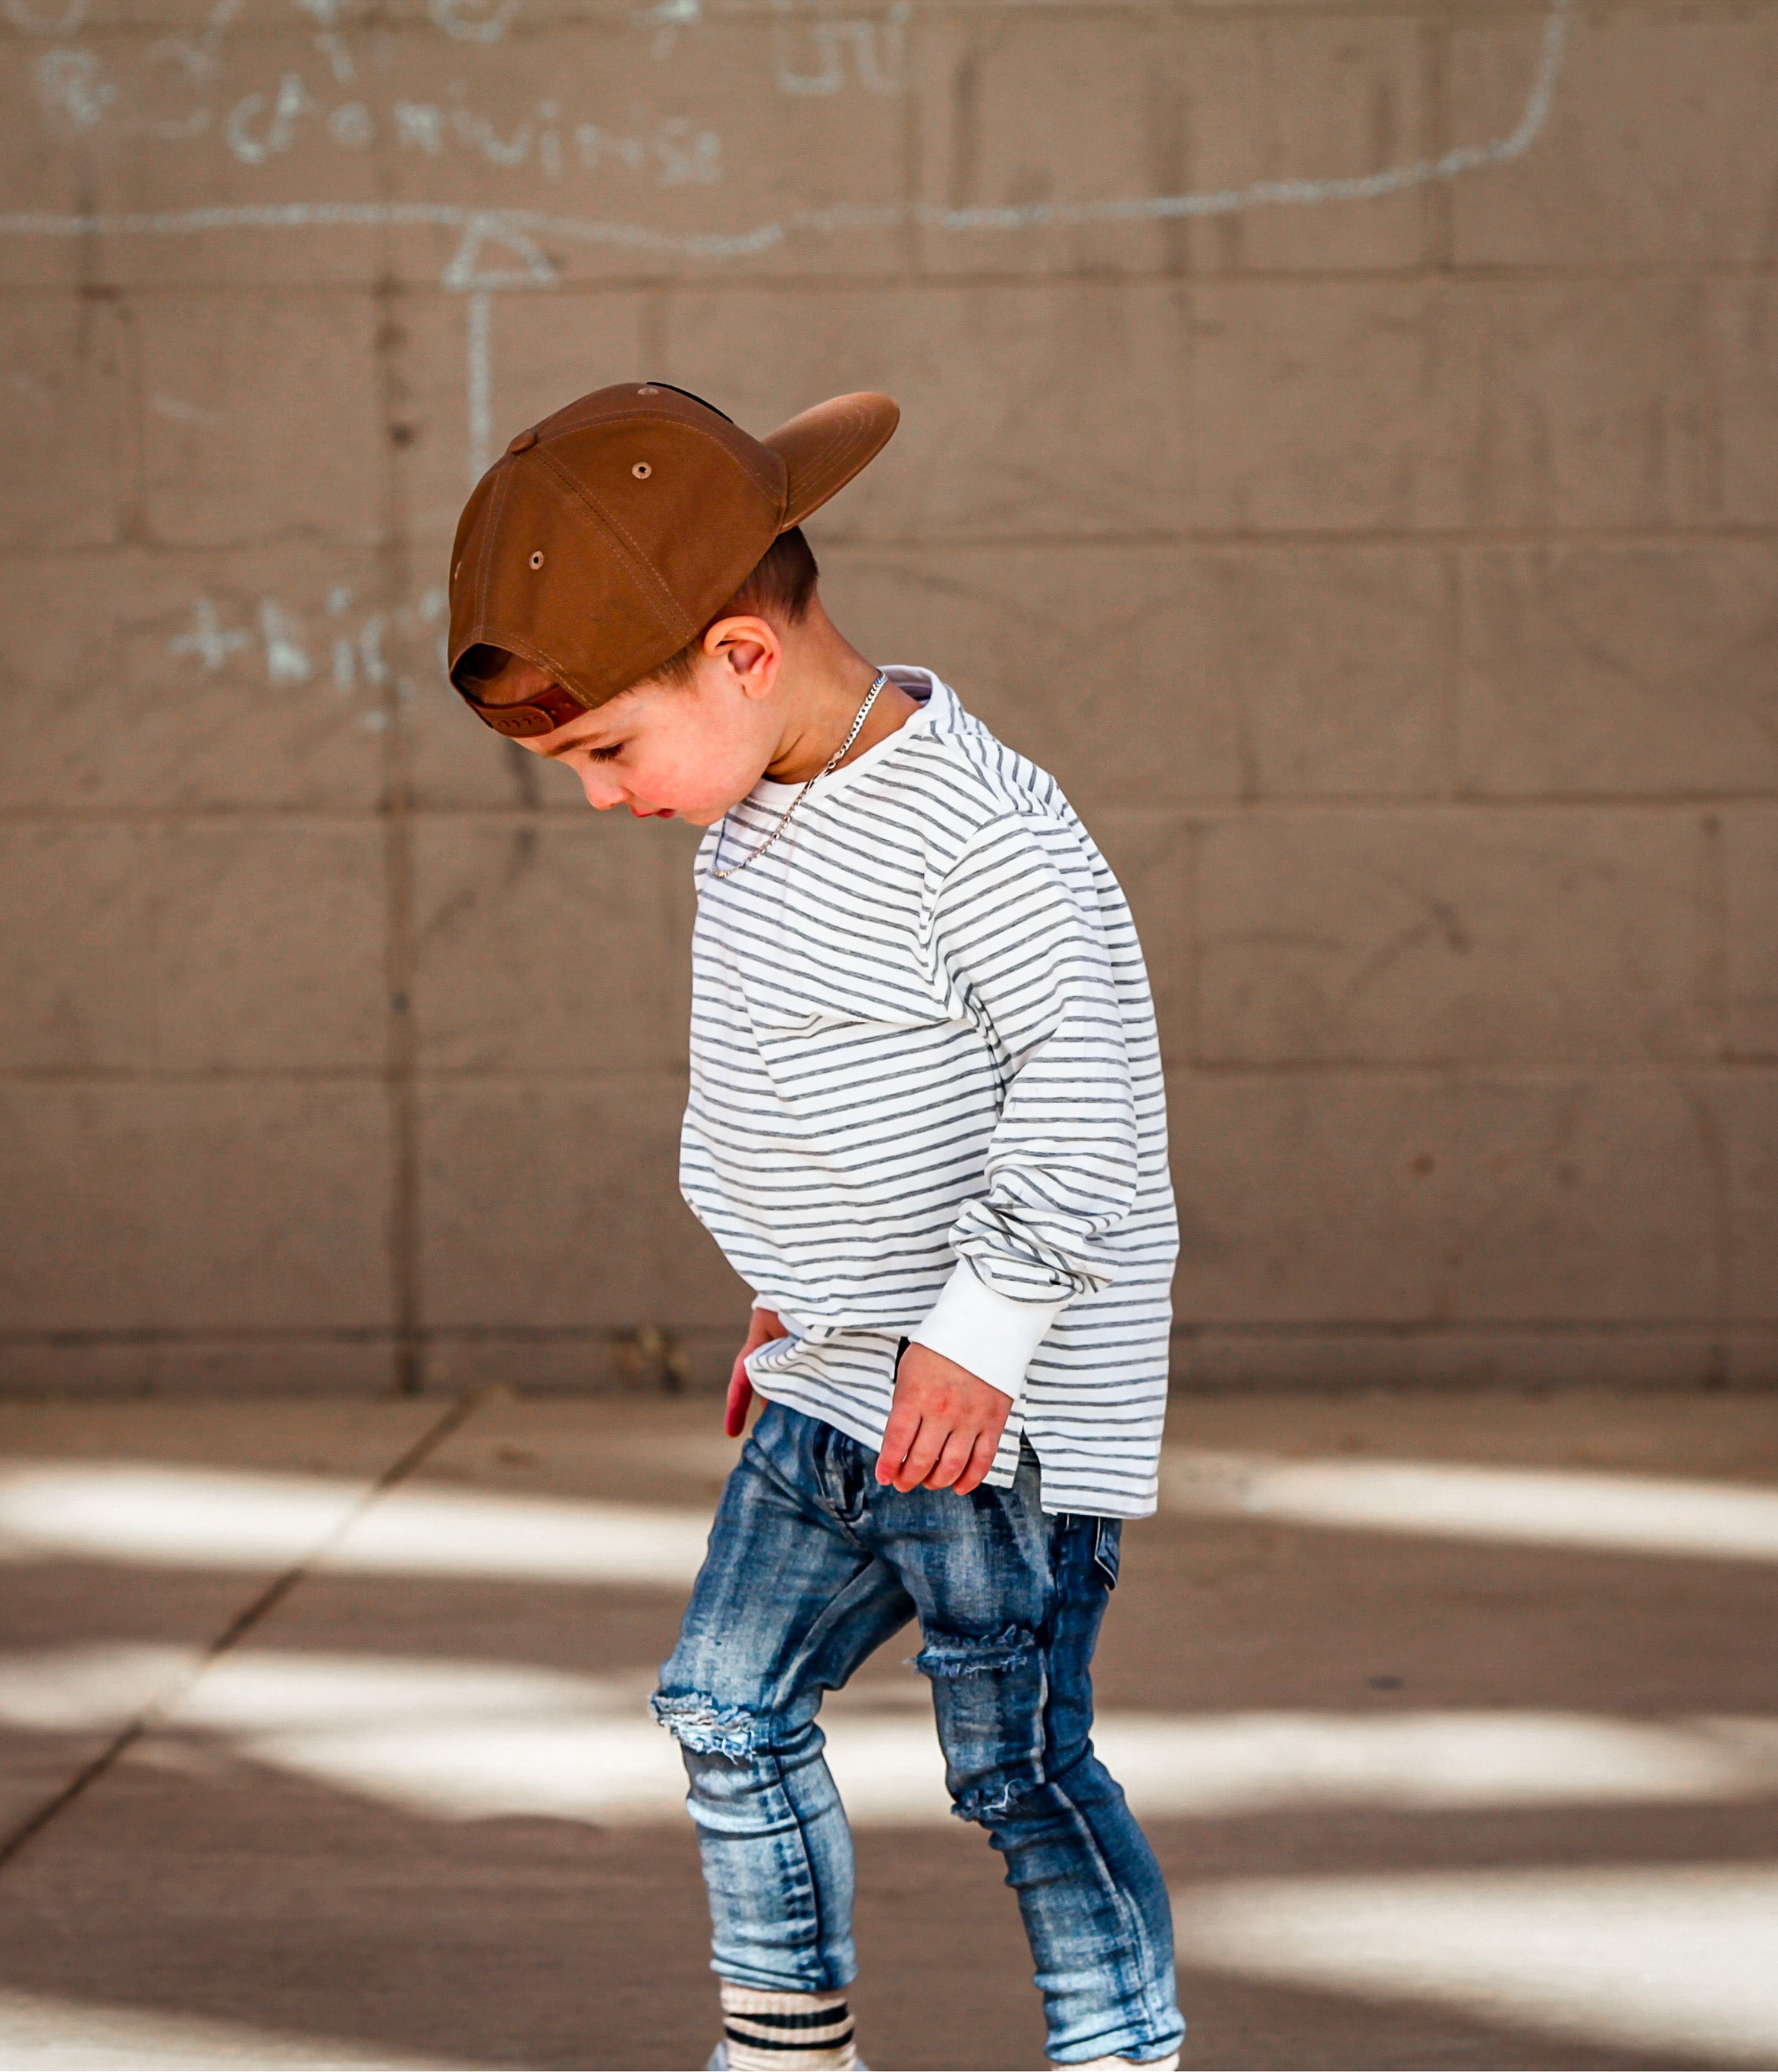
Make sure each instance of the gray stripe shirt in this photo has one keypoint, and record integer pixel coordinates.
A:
(926, 1101)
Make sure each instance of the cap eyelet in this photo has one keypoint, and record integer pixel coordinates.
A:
(641, 471)
(648, 389)
(536, 557)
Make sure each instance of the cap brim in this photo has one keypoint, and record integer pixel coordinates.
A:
(825, 447)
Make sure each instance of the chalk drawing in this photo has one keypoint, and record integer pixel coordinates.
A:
(67, 22)
(1273, 193)
(72, 85)
(666, 19)
(466, 272)
(293, 99)
(869, 51)
(286, 661)
(357, 655)
(478, 130)
(182, 412)
(200, 56)
(471, 20)
(875, 49)
(339, 599)
(69, 79)
(370, 649)
(520, 229)
(479, 382)
(208, 639)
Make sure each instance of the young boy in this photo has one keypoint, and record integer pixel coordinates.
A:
(926, 1125)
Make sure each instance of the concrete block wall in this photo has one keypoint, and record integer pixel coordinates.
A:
(1340, 439)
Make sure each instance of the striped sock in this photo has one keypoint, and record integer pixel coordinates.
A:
(786, 2032)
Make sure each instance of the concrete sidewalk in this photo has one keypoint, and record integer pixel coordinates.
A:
(1454, 1722)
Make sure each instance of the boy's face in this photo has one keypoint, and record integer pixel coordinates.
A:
(688, 752)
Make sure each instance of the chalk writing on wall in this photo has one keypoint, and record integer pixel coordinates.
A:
(342, 647)
(455, 105)
(559, 144)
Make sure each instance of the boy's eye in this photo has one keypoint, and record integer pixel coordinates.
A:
(608, 753)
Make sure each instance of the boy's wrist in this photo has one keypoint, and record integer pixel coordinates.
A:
(989, 1334)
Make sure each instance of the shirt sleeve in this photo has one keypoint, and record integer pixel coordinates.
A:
(1018, 938)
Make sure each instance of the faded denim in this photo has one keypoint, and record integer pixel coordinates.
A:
(813, 1564)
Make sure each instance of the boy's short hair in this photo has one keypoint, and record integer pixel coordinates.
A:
(782, 585)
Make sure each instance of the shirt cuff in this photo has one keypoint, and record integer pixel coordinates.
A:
(985, 1331)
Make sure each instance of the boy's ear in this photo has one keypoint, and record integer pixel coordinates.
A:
(752, 650)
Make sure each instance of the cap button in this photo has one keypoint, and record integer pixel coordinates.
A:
(521, 440)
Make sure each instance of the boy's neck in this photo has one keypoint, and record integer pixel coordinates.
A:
(826, 680)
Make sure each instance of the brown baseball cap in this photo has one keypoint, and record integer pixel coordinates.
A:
(610, 534)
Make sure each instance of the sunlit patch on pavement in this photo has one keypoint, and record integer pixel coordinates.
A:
(38, 2033)
(197, 1518)
(1611, 1513)
(204, 1518)
(1678, 1961)
(478, 1740)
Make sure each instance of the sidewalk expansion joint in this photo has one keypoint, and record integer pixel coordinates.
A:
(161, 1707)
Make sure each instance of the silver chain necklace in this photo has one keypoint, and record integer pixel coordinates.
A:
(753, 855)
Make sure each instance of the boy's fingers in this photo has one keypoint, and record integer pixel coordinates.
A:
(929, 1442)
(898, 1436)
(981, 1459)
(953, 1458)
(740, 1394)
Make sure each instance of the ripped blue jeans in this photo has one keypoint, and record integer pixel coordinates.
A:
(813, 1564)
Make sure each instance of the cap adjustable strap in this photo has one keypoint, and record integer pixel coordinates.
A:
(544, 713)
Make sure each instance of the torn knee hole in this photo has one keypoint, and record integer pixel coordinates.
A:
(990, 1802)
(701, 1725)
(970, 1654)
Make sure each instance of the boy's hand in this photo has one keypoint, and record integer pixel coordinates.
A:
(765, 1327)
(944, 1425)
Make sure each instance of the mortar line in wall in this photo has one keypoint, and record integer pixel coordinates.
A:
(1448, 687)
(1712, 894)
(1439, 213)
(1456, 1074)
(131, 520)
(741, 14)
(517, 33)
(912, 159)
(594, 1334)
(232, 1334)
(251, 1615)
(652, 335)
(570, 816)
(1445, 1071)
(399, 694)
(1714, 1003)
(1191, 1036)
(1038, 280)
(981, 541)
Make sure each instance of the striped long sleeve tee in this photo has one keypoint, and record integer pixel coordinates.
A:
(926, 1101)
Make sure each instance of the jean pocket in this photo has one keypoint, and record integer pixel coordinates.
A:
(1107, 1548)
